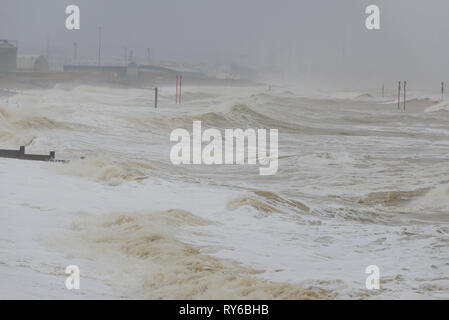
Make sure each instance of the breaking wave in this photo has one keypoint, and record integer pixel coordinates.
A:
(105, 171)
(143, 246)
(21, 126)
(236, 116)
(391, 198)
(267, 202)
(251, 202)
(437, 198)
(442, 106)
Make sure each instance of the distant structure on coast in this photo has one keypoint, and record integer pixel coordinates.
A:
(11, 61)
(32, 63)
(8, 56)
(35, 69)
(133, 70)
(118, 70)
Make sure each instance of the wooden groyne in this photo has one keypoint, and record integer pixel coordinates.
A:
(20, 154)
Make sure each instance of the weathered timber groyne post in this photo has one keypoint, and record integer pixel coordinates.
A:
(155, 97)
(20, 154)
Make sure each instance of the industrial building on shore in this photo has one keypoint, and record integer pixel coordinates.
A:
(32, 63)
(11, 61)
(34, 70)
(8, 56)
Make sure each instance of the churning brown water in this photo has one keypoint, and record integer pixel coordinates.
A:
(359, 183)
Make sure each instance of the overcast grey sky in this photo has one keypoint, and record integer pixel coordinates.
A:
(326, 37)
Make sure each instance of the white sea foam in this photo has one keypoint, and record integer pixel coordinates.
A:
(359, 183)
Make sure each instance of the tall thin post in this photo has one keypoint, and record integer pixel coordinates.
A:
(99, 46)
(155, 97)
(180, 85)
(442, 90)
(405, 93)
(399, 95)
(177, 89)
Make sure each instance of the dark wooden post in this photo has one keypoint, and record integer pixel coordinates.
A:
(405, 93)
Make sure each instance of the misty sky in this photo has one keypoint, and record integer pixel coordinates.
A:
(297, 38)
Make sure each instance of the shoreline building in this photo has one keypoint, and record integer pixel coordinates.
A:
(32, 63)
(8, 56)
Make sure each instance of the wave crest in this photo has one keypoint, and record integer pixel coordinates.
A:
(143, 246)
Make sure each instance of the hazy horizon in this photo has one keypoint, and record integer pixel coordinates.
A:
(298, 39)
